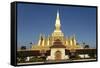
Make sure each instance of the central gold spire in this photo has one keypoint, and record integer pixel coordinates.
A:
(57, 30)
(57, 24)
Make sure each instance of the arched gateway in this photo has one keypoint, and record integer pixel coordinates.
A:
(57, 50)
(57, 55)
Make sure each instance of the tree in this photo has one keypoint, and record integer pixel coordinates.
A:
(86, 46)
(77, 43)
(23, 47)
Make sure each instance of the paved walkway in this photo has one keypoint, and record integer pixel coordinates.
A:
(53, 61)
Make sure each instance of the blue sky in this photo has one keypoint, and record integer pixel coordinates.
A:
(33, 20)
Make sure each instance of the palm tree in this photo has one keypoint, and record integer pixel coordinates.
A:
(85, 46)
(30, 44)
(83, 43)
(84, 49)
